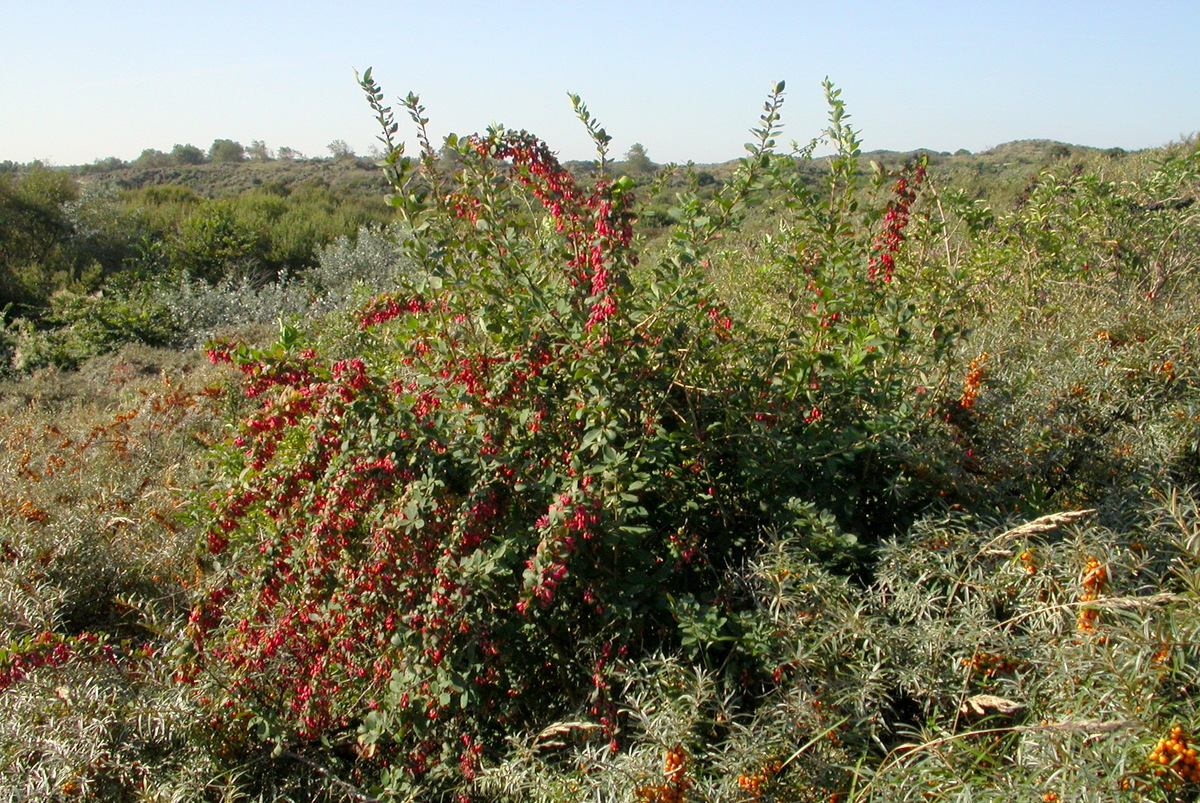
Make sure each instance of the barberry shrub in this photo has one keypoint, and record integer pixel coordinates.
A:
(530, 464)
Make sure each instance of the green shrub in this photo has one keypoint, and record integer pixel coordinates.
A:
(465, 527)
(79, 327)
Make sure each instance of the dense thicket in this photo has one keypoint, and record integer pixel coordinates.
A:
(814, 481)
(85, 267)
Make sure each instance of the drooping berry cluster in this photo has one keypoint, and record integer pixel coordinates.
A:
(882, 264)
(598, 225)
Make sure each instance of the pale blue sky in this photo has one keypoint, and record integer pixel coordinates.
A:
(81, 81)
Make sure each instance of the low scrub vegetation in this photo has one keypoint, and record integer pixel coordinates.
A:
(807, 484)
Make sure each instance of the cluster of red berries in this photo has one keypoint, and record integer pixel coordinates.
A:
(882, 264)
(385, 307)
(599, 226)
(566, 525)
(49, 649)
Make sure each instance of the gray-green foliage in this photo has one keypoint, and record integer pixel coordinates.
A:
(199, 311)
(93, 541)
(963, 671)
(1082, 335)
(185, 311)
(348, 269)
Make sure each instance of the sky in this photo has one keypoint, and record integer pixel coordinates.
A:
(81, 81)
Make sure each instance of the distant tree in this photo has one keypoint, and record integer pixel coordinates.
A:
(340, 149)
(288, 154)
(110, 163)
(636, 159)
(153, 158)
(962, 152)
(258, 151)
(226, 150)
(448, 159)
(36, 235)
(187, 155)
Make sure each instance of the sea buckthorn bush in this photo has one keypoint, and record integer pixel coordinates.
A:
(95, 559)
(957, 671)
(1076, 383)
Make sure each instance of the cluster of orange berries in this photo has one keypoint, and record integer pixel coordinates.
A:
(754, 782)
(1165, 369)
(676, 785)
(1173, 756)
(973, 382)
(988, 664)
(1095, 575)
(1028, 561)
(26, 510)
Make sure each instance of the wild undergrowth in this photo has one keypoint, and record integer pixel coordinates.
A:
(847, 490)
